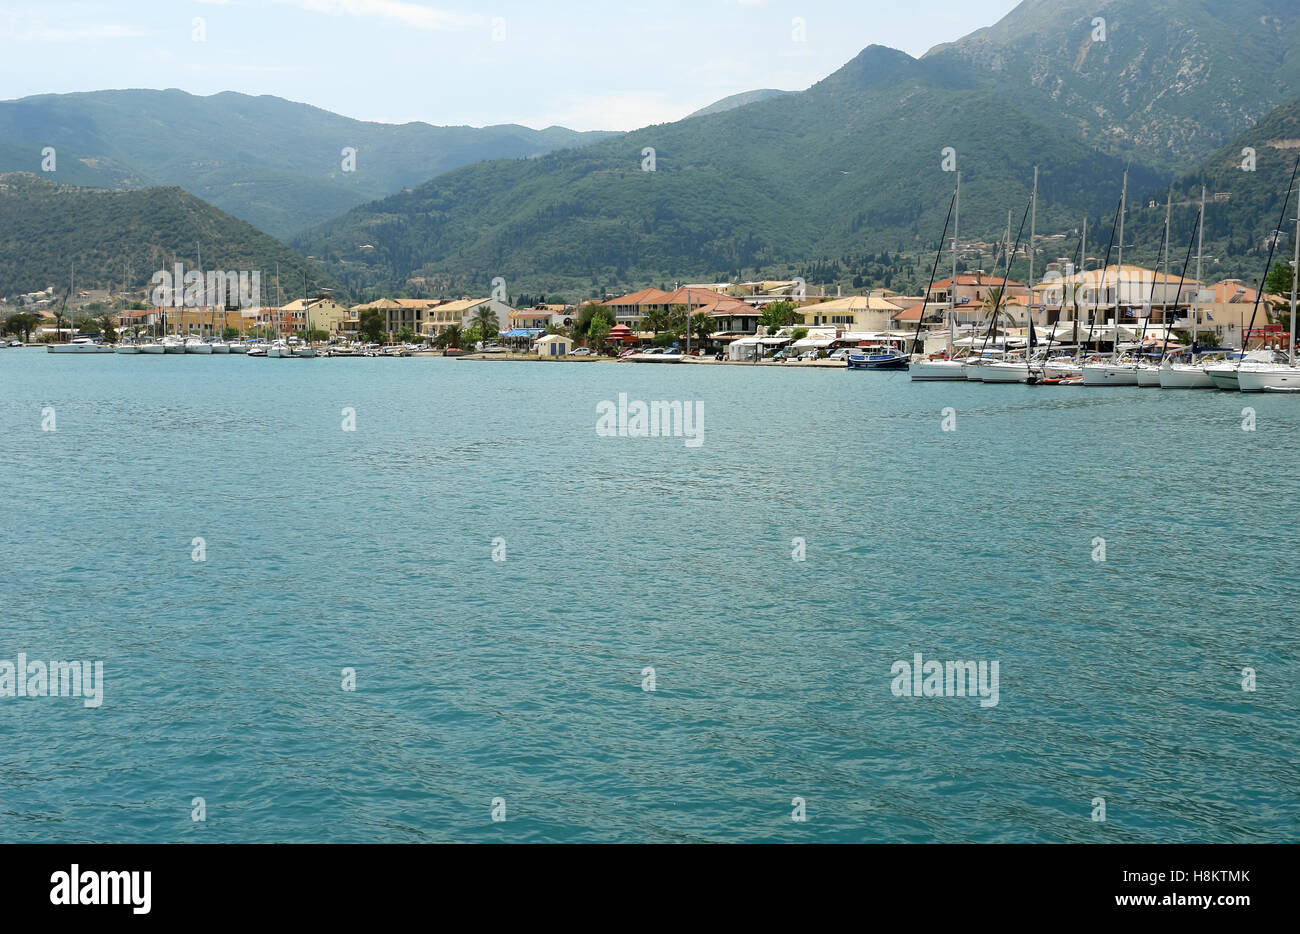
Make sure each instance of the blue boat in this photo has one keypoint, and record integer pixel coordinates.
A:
(881, 360)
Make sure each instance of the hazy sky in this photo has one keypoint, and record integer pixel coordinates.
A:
(577, 63)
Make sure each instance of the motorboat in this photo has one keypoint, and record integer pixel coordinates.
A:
(77, 345)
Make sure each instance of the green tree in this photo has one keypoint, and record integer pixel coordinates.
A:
(87, 325)
(23, 324)
(450, 336)
(779, 315)
(589, 315)
(371, 322)
(485, 321)
(107, 329)
(405, 335)
(655, 320)
(702, 325)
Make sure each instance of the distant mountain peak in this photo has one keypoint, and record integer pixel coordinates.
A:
(738, 100)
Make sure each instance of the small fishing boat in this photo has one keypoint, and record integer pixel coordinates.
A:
(878, 359)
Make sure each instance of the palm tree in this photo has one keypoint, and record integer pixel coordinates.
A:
(485, 319)
(703, 324)
(655, 320)
(992, 309)
(450, 336)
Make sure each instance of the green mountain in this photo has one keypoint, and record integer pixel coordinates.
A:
(850, 166)
(737, 100)
(272, 162)
(1242, 206)
(45, 227)
(1164, 83)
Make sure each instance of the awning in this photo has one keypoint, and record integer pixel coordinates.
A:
(774, 340)
(815, 342)
(521, 332)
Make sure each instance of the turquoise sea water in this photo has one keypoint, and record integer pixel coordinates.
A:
(522, 679)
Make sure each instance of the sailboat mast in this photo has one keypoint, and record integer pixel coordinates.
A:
(1119, 272)
(952, 291)
(1196, 299)
(1029, 283)
(1078, 283)
(1164, 293)
(1295, 279)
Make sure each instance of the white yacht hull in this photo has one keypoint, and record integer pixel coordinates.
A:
(173, 348)
(1148, 376)
(1223, 377)
(1272, 379)
(1182, 376)
(1005, 372)
(199, 348)
(1104, 374)
(220, 348)
(127, 348)
(938, 370)
(239, 348)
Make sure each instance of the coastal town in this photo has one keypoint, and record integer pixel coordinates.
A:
(1112, 308)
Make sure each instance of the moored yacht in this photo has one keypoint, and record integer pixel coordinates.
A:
(939, 369)
(76, 345)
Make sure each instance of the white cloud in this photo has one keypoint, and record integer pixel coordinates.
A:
(402, 12)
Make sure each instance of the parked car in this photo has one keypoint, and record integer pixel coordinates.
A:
(840, 354)
(580, 352)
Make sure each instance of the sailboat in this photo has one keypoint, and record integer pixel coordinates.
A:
(1259, 365)
(976, 368)
(1019, 371)
(1148, 374)
(1193, 375)
(1117, 371)
(1280, 378)
(945, 368)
